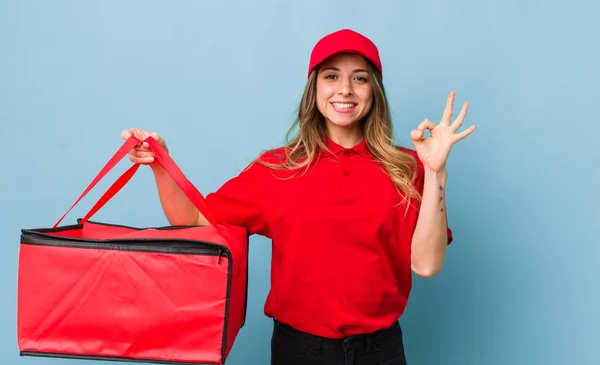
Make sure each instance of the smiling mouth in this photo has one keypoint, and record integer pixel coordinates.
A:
(343, 106)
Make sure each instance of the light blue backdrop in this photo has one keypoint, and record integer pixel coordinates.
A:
(220, 80)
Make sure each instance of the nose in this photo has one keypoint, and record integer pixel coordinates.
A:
(345, 87)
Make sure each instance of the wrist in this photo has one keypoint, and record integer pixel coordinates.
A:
(157, 168)
(438, 177)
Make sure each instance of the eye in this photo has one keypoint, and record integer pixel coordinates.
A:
(362, 79)
(330, 76)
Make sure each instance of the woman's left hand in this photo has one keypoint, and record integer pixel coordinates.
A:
(433, 151)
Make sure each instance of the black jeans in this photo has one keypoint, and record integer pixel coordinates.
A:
(292, 347)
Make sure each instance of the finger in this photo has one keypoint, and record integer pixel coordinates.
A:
(126, 134)
(460, 118)
(426, 124)
(156, 137)
(160, 141)
(417, 135)
(142, 148)
(462, 135)
(131, 132)
(144, 161)
(141, 158)
(447, 116)
(139, 153)
(136, 132)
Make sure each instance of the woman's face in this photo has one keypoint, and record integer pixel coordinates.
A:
(344, 90)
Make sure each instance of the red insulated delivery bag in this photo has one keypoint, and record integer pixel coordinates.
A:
(103, 291)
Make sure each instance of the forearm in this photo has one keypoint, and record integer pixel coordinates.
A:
(178, 209)
(430, 238)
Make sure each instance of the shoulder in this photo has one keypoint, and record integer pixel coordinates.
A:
(265, 161)
(272, 156)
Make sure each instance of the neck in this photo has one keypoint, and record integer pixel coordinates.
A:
(344, 136)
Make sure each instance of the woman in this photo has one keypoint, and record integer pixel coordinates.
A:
(349, 213)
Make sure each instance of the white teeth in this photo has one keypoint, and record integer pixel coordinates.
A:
(343, 105)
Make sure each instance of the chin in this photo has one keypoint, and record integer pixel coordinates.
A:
(344, 123)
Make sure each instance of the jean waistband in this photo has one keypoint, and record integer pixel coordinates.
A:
(354, 341)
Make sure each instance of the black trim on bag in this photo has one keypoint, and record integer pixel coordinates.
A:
(42, 237)
(158, 245)
(111, 358)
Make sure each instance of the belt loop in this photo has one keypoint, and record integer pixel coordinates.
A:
(345, 342)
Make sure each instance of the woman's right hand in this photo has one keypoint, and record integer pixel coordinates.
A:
(142, 153)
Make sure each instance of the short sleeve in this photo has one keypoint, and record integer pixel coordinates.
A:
(420, 181)
(241, 200)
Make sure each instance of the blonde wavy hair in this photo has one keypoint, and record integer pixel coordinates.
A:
(305, 138)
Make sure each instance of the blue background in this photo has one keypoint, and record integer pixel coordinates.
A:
(221, 81)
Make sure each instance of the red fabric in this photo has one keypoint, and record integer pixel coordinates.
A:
(345, 40)
(341, 242)
(96, 290)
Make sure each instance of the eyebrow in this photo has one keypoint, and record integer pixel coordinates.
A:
(337, 69)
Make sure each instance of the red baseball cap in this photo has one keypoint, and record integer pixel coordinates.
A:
(341, 41)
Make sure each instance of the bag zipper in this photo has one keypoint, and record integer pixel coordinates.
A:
(168, 246)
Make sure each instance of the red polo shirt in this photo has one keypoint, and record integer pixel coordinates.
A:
(341, 243)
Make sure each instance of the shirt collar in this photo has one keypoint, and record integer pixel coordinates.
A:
(335, 149)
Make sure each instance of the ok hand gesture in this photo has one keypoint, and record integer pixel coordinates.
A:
(433, 151)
